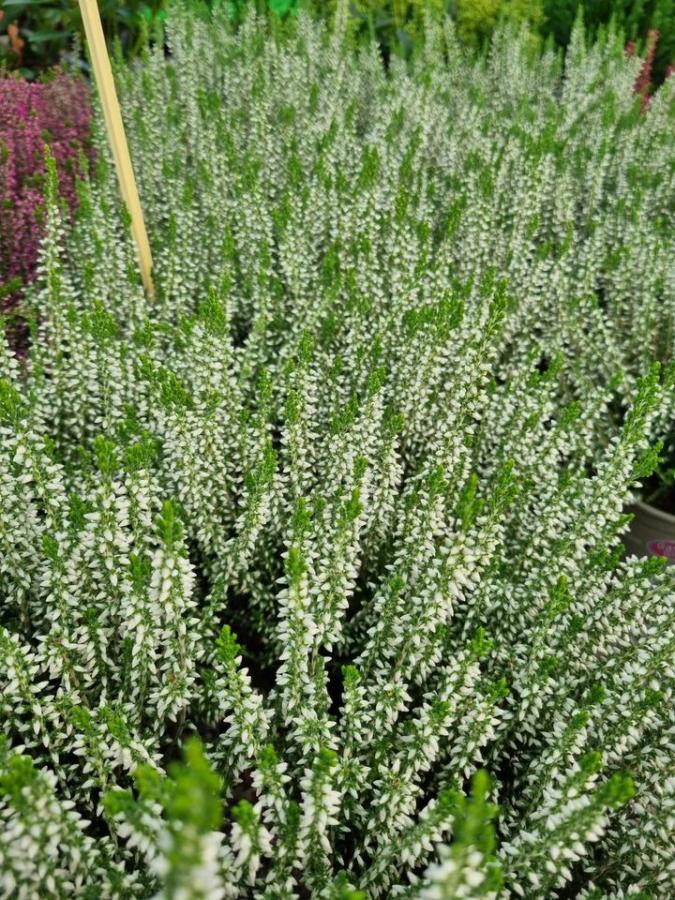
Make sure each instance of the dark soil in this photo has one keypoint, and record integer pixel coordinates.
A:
(659, 495)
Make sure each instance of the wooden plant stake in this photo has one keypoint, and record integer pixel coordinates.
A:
(118, 143)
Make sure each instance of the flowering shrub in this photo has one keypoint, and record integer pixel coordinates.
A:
(643, 81)
(57, 112)
(339, 513)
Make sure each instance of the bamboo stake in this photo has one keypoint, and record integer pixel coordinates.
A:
(116, 136)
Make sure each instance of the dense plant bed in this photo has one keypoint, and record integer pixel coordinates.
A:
(57, 112)
(380, 424)
(35, 36)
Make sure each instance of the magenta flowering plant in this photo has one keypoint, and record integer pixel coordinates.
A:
(57, 112)
(643, 81)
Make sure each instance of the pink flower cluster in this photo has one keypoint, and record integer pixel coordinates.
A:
(643, 81)
(59, 113)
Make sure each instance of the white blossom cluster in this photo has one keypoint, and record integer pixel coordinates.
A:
(339, 511)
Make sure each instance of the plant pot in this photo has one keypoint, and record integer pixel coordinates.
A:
(652, 532)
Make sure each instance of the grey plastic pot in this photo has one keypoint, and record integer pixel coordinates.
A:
(652, 532)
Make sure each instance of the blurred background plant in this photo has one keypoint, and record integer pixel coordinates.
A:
(395, 24)
(398, 24)
(476, 19)
(635, 17)
(37, 34)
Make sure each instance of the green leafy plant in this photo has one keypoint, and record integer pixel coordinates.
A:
(49, 30)
(634, 19)
(476, 19)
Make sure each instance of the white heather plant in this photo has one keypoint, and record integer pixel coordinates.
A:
(337, 517)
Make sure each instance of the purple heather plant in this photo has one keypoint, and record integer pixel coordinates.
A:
(57, 112)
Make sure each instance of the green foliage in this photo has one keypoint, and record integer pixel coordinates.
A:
(633, 18)
(50, 30)
(469, 866)
(476, 19)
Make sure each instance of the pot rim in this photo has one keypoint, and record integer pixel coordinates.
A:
(654, 511)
